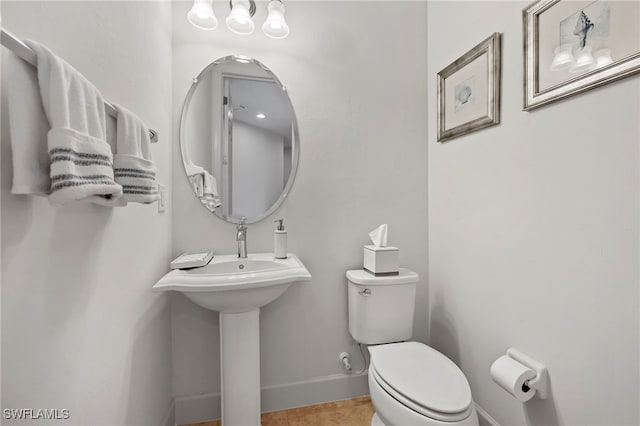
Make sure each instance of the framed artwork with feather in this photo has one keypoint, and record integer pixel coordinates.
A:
(571, 46)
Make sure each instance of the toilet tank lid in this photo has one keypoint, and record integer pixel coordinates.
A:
(360, 276)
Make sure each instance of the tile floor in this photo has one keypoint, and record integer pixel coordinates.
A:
(350, 412)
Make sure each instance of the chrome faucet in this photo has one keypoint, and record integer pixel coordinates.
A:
(241, 237)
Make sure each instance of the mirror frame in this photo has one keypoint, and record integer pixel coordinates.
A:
(295, 146)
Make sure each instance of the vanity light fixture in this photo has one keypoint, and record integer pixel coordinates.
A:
(243, 59)
(239, 20)
(584, 61)
(603, 57)
(275, 25)
(201, 15)
(563, 58)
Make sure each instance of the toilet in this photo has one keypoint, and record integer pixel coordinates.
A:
(410, 383)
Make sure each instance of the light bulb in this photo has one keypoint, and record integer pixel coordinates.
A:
(584, 61)
(201, 15)
(243, 59)
(603, 57)
(562, 59)
(275, 25)
(239, 20)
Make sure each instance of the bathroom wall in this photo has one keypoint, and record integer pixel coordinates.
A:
(356, 75)
(257, 157)
(533, 235)
(81, 329)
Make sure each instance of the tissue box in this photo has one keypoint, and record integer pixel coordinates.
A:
(381, 260)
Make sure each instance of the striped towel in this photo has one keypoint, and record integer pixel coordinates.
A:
(138, 179)
(133, 168)
(80, 157)
(81, 169)
(211, 192)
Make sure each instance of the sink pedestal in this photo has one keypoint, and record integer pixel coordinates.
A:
(240, 367)
(237, 288)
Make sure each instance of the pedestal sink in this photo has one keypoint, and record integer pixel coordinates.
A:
(238, 288)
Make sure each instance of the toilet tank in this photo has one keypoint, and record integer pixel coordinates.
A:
(381, 307)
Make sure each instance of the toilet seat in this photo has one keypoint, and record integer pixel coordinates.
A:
(422, 379)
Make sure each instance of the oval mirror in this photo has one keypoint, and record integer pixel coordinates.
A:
(239, 139)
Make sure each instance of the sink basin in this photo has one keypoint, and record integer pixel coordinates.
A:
(231, 284)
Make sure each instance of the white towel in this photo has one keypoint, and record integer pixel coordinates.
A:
(192, 169)
(210, 186)
(204, 185)
(28, 127)
(196, 177)
(211, 189)
(81, 159)
(197, 183)
(132, 163)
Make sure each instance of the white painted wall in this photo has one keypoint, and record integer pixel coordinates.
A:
(257, 157)
(80, 327)
(533, 235)
(359, 93)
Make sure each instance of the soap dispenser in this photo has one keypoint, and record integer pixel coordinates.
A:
(280, 240)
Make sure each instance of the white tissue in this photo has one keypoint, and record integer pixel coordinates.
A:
(379, 235)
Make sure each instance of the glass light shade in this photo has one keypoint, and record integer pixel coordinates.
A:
(275, 26)
(243, 59)
(562, 59)
(584, 61)
(603, 57)
(201, 15)
(239, 20)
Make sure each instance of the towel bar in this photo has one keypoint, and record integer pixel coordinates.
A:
(16, 45)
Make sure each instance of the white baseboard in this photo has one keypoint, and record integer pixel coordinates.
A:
(197, 408)
(315, 391)
(170, 417)
(200, 408)
(484, 418)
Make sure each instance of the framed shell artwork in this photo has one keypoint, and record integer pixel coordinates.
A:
(469, 91)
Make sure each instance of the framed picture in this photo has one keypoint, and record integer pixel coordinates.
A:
(571, 46)
(469, 91)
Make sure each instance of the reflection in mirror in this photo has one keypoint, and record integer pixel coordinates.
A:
(239, 139)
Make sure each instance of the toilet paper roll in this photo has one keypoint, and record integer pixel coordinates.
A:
(511, 376)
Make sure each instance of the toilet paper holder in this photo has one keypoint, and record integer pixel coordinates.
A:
(540, 383)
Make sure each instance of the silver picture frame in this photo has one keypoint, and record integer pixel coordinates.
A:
(486, 109)
(536, 40)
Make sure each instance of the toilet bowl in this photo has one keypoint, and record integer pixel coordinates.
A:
(410, 383)
(413, 384)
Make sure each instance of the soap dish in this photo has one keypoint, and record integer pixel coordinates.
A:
(191, 260)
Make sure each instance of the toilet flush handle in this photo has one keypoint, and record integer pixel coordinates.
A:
(366, 292)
